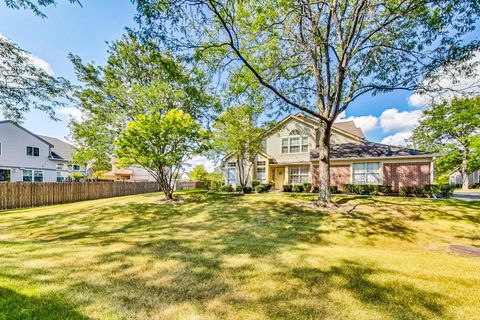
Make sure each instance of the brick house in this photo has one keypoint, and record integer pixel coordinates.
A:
(290, 156)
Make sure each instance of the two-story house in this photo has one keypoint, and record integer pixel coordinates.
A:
(290, 156)
(27, 157)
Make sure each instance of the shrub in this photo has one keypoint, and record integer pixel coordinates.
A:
(260, 188)
(226, 188)
(247, 189)
(255, 183)
(333, 189)
(239, 189)
(307, 187)
(349, 188)
(287, 188)
(446, 190)
(269, 186)
(405, 191)
(297, 188)
(385, 190)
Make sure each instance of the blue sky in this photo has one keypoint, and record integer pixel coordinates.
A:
(86, 30)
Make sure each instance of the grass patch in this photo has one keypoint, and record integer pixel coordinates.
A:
(224, 256)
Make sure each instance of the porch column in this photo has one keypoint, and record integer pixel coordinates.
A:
(286, 175)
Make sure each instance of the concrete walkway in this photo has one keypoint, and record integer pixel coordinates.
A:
(467, 195)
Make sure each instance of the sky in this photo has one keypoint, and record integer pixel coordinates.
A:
(86, 31)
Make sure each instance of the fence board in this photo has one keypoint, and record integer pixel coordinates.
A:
(16, 195)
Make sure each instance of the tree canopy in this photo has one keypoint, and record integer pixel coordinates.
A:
(137, 79)
(161, 143)
(238, 133)
(33, 5)
(317, 56)
(452, 129)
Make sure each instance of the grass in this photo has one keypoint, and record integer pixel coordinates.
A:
(240, 257)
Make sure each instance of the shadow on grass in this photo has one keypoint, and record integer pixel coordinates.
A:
(15, 306)
(398, 300)
(184, 248)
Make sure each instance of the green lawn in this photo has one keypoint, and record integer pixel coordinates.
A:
(240, 257)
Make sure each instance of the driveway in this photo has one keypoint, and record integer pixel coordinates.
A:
(466, 195)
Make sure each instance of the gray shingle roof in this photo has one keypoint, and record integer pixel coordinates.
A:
(61, 149)
(350, 127)
(368, 149)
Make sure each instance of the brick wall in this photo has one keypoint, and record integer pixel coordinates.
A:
(339, 175)
(406, 174)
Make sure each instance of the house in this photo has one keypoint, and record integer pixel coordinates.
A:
(457, 178)
(133, 173)
(290, 156)
(27, 157)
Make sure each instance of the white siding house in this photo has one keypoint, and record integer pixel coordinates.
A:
(27, 157)
(24, 156)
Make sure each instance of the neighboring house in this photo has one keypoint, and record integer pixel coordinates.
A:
(457, 178)
(62, 154)
(290, 156)
(133, 173)
(27, 157)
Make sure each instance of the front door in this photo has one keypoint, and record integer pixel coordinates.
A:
(279, 178)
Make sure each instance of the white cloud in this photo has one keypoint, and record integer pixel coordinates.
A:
(393, 120)
(448, 82)
(35, 61)
(71, 112)
(366, 123)
(398, 139)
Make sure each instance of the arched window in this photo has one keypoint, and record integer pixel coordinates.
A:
(295, 132)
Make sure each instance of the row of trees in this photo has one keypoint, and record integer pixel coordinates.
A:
(314, 56)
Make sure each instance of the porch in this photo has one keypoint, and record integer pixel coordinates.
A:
(292, 173)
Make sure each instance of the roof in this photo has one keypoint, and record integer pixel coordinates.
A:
(30, 133)
(345, 127)
(367, 149)
(350, 127)
(61, 150)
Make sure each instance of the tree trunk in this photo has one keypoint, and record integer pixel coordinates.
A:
(324, 196)
(464, 169)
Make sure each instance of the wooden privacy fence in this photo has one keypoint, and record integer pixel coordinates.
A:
(15, 195)
(187, 185)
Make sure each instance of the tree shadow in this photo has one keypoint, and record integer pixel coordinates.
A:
(396, 299)
(16, 306)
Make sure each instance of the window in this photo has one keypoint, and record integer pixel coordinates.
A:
(60, 177)
(231, 164)
(295, 145)
(261, 163)
(33, 151)
(59, 166)
(4, 175)
(38, 176)
(366, 173)
(231, 175)
(76, 167)
(299, 175)
(27, 176)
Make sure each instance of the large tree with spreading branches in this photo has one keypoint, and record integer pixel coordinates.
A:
(317, 56)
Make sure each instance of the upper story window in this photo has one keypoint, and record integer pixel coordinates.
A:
(76, 167)
(231, 164)
(366, 173)
(295, 144)
(261, 163)
(33, 151)
(295, 132)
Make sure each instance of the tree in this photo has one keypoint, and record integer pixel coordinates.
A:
(452, 129)
(199, 173)
(137, 79)
(316, 56)
(237, 133)
(161, 144)
(34, 5)
(23, 83)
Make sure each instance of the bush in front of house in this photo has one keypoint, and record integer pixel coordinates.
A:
(333, 189)
(445, 190)
(226, 188)
(307, 187)
(361, 189)
(261, 188)
(297, 188)
(287, 188)
(255, 183)
(385, 190)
